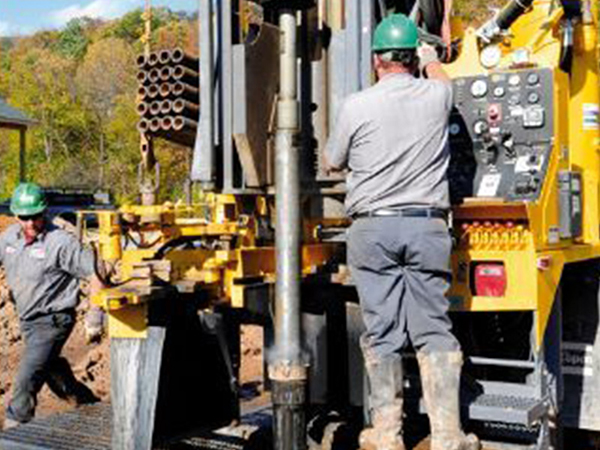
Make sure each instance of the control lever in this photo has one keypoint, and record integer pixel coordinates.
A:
(490, 149)
(509, 145)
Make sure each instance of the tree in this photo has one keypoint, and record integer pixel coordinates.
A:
(107, 73)
(73, 42)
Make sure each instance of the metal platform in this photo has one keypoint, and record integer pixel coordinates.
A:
(507, 409)
(83, 428)
(89, 428)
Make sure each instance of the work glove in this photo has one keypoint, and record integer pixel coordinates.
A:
(93, 325)
(427, 55)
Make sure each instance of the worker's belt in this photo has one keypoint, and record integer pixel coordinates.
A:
(430, 213)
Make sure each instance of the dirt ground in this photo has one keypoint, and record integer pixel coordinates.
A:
(91, 362)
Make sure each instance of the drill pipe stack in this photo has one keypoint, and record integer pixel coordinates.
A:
(169, 96)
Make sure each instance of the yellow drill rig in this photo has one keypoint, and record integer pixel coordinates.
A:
(265, 244)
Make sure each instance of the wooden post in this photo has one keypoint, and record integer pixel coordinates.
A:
(135, 373)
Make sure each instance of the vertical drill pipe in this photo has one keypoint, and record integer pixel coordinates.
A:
(287, 369)
(204, 156)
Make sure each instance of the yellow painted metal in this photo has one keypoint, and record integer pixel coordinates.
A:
(152, 260)
(584, 132)
(130, 322)
(110, 235)
(521, 235)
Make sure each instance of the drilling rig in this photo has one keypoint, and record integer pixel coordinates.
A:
(265, 244)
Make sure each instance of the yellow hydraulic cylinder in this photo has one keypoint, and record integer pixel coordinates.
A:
(110, 235)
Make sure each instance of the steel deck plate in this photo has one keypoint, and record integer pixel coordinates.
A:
(89, 428)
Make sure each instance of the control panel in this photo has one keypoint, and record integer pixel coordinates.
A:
(501, 135)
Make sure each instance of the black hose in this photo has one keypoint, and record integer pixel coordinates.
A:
(432, 12)
(572, 8)
(511, 12)
(566, 49)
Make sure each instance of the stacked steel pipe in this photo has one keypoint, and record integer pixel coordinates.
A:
(169, 96)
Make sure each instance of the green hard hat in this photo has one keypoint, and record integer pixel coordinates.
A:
(28, 200)
(395, 32)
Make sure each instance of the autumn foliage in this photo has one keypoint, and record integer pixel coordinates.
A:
(79, 85)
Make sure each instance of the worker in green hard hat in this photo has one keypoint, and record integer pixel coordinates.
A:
(43, 266)
(393, 139)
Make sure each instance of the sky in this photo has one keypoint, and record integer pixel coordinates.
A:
(23, 17)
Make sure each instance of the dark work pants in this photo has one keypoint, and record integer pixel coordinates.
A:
(401, 268)
(41, 363)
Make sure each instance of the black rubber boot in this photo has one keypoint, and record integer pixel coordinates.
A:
(385, 381)
(64, 385)
(440, 379)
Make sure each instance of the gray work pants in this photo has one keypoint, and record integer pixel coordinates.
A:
(401, 268)
(41, 363)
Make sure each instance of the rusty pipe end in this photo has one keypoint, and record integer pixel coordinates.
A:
(153, 59)
(177, 88)
(142, 76)
(177, 55)
(165, 73)
(141, 61)
(167, 123)
(155, 124)
(164, 56)
(153, 91)
(155, 107)
(143, 126)
(178, 123)
(154, 75)
(142, 109)
(165, 89)
(166, 106)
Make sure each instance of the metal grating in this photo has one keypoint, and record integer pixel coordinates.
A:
(83, 428)
(507, 409)
(89, 428)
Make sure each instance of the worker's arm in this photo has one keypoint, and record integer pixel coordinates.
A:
(80, 261)
(435, 71)
(336, 151)
(430, 64)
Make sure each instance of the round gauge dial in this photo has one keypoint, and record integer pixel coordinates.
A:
(514, 80)
(514, 99)
(534, 97)
(479, 88)
(490, 56)
(480, 127)
(533, 78)
(499, 91)
(454, 129)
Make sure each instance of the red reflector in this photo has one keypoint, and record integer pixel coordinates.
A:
(490, 280)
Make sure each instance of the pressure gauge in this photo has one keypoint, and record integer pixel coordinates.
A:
(499, 91)
(479, 88)
(534, 97)
(533, 79)
(480, 127)
(490, 56)
(454, 129)
(514, 80)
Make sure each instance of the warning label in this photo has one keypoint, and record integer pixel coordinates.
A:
(591, 116)
(578, 359)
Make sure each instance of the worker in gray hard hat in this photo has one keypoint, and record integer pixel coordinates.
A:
(393, 139)
(43, 266)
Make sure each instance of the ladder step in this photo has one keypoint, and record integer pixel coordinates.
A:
(507, 409)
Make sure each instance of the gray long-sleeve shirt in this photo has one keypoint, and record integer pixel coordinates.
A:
(44, 276)
(393, 138)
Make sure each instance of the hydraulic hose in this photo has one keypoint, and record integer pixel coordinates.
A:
(511, 12)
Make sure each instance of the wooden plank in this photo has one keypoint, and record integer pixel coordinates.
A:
(135, 373)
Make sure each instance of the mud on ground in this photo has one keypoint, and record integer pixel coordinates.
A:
(91, 362)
